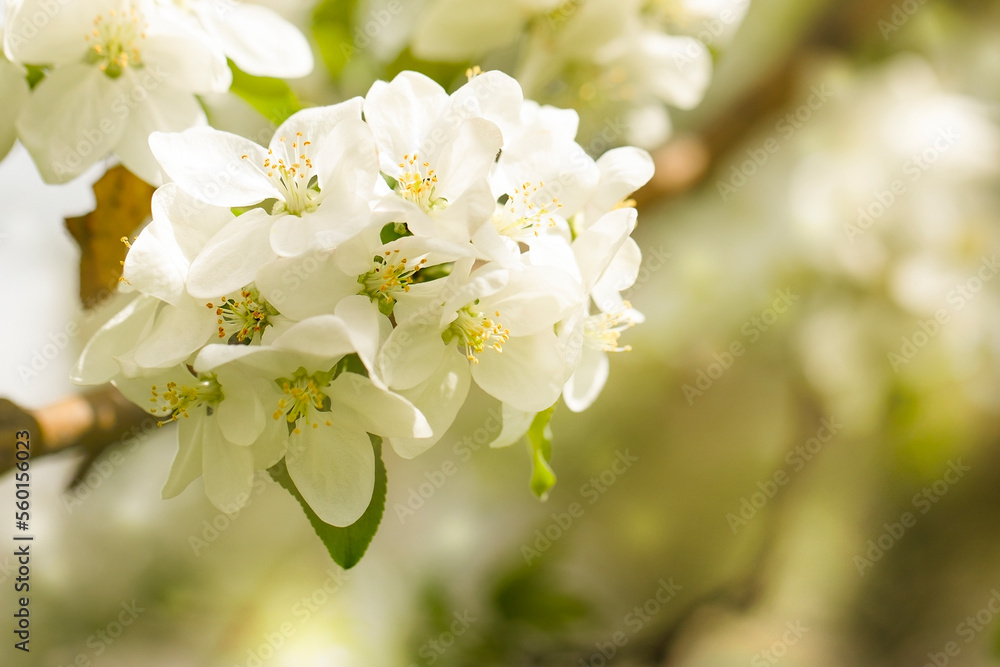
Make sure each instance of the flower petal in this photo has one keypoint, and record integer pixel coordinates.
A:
(108, 352)
(439, 398)
(208, 164)
(411, 354)
(258, 39)
(177, 333)
(227, 468)
(334, 470)
(586, 383)
(187, 463)
(230, 260)
(240, 414)
(70, 121)
(529, 374)
(357, 402)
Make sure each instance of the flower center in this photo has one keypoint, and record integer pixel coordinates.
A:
(603, 330)
(416, 183)
(475, 332)
(244, 319)
(304, 396)
(114, 41)
(292, 174)
(525, 212)
(388, 277)
(177, 400)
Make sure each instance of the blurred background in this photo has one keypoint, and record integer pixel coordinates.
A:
(797, 464)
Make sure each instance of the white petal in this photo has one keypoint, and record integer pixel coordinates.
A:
(411, 354)
(623, 171)
(362, 319)
(70, 121)
(515, 424)
(208, 164)
(240, 414)
(230, 260)
(316, 122)
(323, 336)
(528, 374)
(190, 62)
(227, 468)
(187, 463)
(468, 159)
(357, 402)
(597, 245)
(105, 355)
(493, 95)
(680, 68)
(334, 470)
(401, 114)
(288, 284)
(620, 275)
(40, 33)
(439, 398)
(14, 90)
(258, 40)
(162, 109)
(272, 444)
(177, 333)
(194, 222)
(347, 163)
(585, 385)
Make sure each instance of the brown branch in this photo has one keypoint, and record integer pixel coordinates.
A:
(89, 422)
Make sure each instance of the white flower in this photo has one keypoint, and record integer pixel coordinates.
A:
(14, 91)
(499, 319)
(319, 155)
(223, 433)
(257, 39)
(328, 410)
(439, 149)
(609, 263)
(117, 70)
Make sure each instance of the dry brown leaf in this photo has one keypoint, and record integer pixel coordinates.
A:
(123, 203)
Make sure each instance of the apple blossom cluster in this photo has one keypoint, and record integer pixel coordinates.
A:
(104, 74)
(356, 275)
(613, 58)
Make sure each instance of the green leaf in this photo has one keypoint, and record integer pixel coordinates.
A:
(539, 437)
(331, 27)
(346, 545)
(271, 97)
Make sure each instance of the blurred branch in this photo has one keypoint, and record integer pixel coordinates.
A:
(89, 422)
(685, 161)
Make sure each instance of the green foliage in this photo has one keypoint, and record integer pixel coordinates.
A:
(331, 27)
(271, 97)
(539, 438)
(348, 544)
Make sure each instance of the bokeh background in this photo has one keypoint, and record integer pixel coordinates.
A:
(797, 464)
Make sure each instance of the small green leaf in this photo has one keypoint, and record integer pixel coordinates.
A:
(539, 437)
(271, 97)
(346, 545)
(35, 75)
